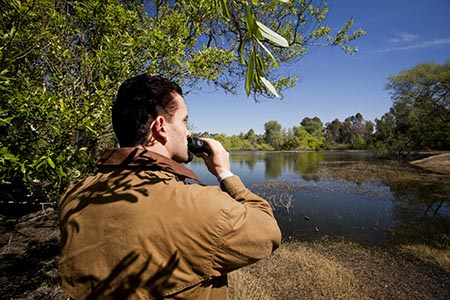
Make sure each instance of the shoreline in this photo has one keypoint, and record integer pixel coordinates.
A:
(439, 163)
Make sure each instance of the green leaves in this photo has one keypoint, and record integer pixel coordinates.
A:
(269, 86)
(65, 70)
(222, 6)
(252, 26)
(272, 36)
(250, 72)
(259, 32)
(420, 108)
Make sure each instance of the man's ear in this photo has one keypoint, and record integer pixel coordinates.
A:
(159, 129)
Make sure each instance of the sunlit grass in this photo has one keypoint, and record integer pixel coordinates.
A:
(296, 272)
(438, 163)
(328, 269)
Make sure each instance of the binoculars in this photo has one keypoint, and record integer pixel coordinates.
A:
(196, 146)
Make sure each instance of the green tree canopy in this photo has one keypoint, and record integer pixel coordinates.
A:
(273, 134)
(313, 126)
(421, 107)
(333, 131)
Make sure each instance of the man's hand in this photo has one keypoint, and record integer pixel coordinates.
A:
(219, 160)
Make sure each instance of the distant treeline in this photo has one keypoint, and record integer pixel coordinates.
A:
(418, 120)
(311, 134)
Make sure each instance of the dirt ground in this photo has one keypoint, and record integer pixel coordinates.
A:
(29, 257)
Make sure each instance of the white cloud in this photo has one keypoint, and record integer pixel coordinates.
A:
(403, 38)
(426, 44)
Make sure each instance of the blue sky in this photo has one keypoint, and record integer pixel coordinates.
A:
(400, 35)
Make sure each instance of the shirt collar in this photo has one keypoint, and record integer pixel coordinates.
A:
(144, 159)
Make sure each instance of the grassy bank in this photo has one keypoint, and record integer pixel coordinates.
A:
(342, 270)
(437, 163)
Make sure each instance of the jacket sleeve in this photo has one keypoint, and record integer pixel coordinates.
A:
(249, 231)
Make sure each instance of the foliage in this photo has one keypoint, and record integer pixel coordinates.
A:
(61, 63)
(299, 25)
(420, 116)
(421, 98)
(384, 140)
(313, 126)
(354, 131)
(311, 134)
(273, 135)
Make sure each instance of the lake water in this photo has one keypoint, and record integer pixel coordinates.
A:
(346, 195)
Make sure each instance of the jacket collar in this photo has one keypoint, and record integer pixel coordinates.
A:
(143, 159)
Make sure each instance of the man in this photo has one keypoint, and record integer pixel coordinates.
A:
(138, 230)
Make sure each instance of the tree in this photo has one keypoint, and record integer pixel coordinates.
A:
(368, 131)
(251, 137)
(333, 132)
(354, 132)
(384, 139)
(421, 106)
(273, 134)
(313, 126)
(61, 63)
(304, 140)
(360, 130)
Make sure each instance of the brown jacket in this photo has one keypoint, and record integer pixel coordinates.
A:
(137, 230)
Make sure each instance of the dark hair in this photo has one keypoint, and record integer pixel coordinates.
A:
(139, 101)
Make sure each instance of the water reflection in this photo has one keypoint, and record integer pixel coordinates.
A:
(349, 195)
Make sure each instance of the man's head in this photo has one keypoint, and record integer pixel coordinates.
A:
(150, 111)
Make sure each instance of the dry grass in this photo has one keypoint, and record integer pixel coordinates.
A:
(386, 173)
(440, 257)
(437, 163)
(338, 270)
(298, 273)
